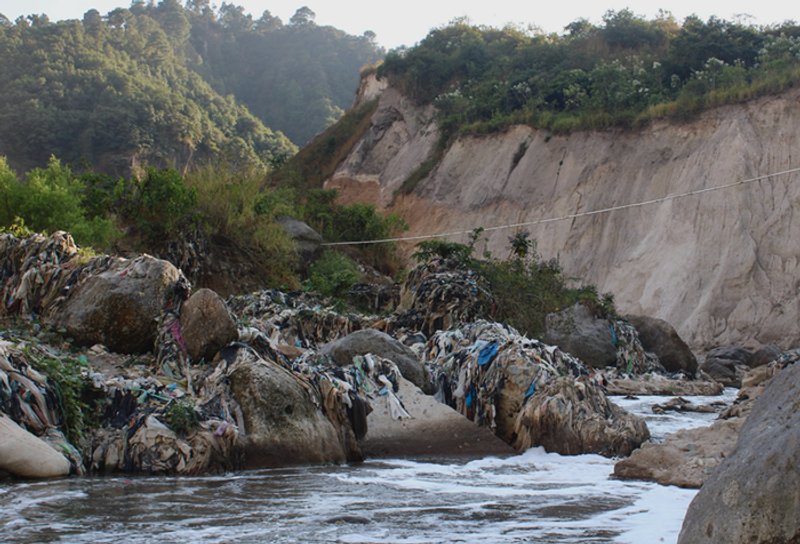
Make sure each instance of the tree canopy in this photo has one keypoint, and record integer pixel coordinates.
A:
(297, 77)
(624, 71)
(169, 85)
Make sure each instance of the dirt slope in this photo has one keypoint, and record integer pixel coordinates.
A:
(721, 267)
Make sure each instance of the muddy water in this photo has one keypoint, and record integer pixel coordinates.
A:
(533, 497)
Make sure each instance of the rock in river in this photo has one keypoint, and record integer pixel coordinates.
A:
(381, 344)
(661, 338)
(754, 495)
(206, 324)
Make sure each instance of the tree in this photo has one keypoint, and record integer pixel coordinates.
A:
(121, 98)
(234, 18)
(138, 7)
(92, 21)
(174, 21)
(580, 28)
(199, 7)
(268, 22)
(625, 29)
(119, 17)
(303, 16)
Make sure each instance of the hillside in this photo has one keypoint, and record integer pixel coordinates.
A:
(165, 85)
(721, 267)
(297, 77)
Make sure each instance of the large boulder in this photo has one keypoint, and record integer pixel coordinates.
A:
(306, 240)
(574, 416)
(119, 307)
(579, 332)
(727, 364)
(433, 429)
(754, 495)
(736, 354)
(27, 456)
(282, 422)
(765, 355)
(528, 393)
(206, 324)
(661, 338)
(381, 344)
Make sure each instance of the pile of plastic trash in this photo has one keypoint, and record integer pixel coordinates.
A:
(293, 319)
(498, 378)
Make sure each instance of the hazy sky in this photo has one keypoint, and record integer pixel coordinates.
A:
(405, 22)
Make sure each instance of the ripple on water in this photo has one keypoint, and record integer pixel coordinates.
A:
(532, 497)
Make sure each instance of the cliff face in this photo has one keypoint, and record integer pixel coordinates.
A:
(722, 267)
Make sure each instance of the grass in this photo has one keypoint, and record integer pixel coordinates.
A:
(237, 206)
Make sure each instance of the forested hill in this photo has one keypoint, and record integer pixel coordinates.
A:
(297, 77)
(164, 84)
(626, 71)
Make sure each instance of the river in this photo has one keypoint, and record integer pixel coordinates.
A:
(532, 497)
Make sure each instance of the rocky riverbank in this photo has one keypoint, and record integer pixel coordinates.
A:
(115, 365)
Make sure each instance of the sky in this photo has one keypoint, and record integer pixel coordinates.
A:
(405, 22)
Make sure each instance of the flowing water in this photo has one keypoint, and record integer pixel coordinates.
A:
(533, 497)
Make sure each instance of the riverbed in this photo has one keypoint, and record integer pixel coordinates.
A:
(532, 497)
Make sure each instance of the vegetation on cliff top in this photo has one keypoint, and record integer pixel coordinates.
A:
(622, 73)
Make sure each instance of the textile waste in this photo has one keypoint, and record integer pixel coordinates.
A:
(31, 400)
(293, 319)
(499, 379)
(436, 297)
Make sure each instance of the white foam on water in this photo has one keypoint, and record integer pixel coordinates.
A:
(532, 497)
(659, 511)
(661, 425)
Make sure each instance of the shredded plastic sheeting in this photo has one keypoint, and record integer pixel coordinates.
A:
(293, 319)
(632, 359)
(437, 297)
(527, 391)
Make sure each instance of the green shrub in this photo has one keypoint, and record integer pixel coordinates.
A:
(333, 274)
(160, 202)
(181, 417)
(356, 222)
(71, 388)
(51, 199)
(361, 222)
(236, 205)
(431, 249)
(17, 228)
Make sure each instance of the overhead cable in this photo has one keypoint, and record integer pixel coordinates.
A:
(568, 216)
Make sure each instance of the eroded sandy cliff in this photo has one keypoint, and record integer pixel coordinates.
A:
(722, 267)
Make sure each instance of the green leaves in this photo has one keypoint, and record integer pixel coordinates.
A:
(333, 274)
(65, 376)
(621, 73)
(161, 202)
(51, 199)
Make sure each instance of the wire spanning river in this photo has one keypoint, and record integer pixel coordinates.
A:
(533, 497)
